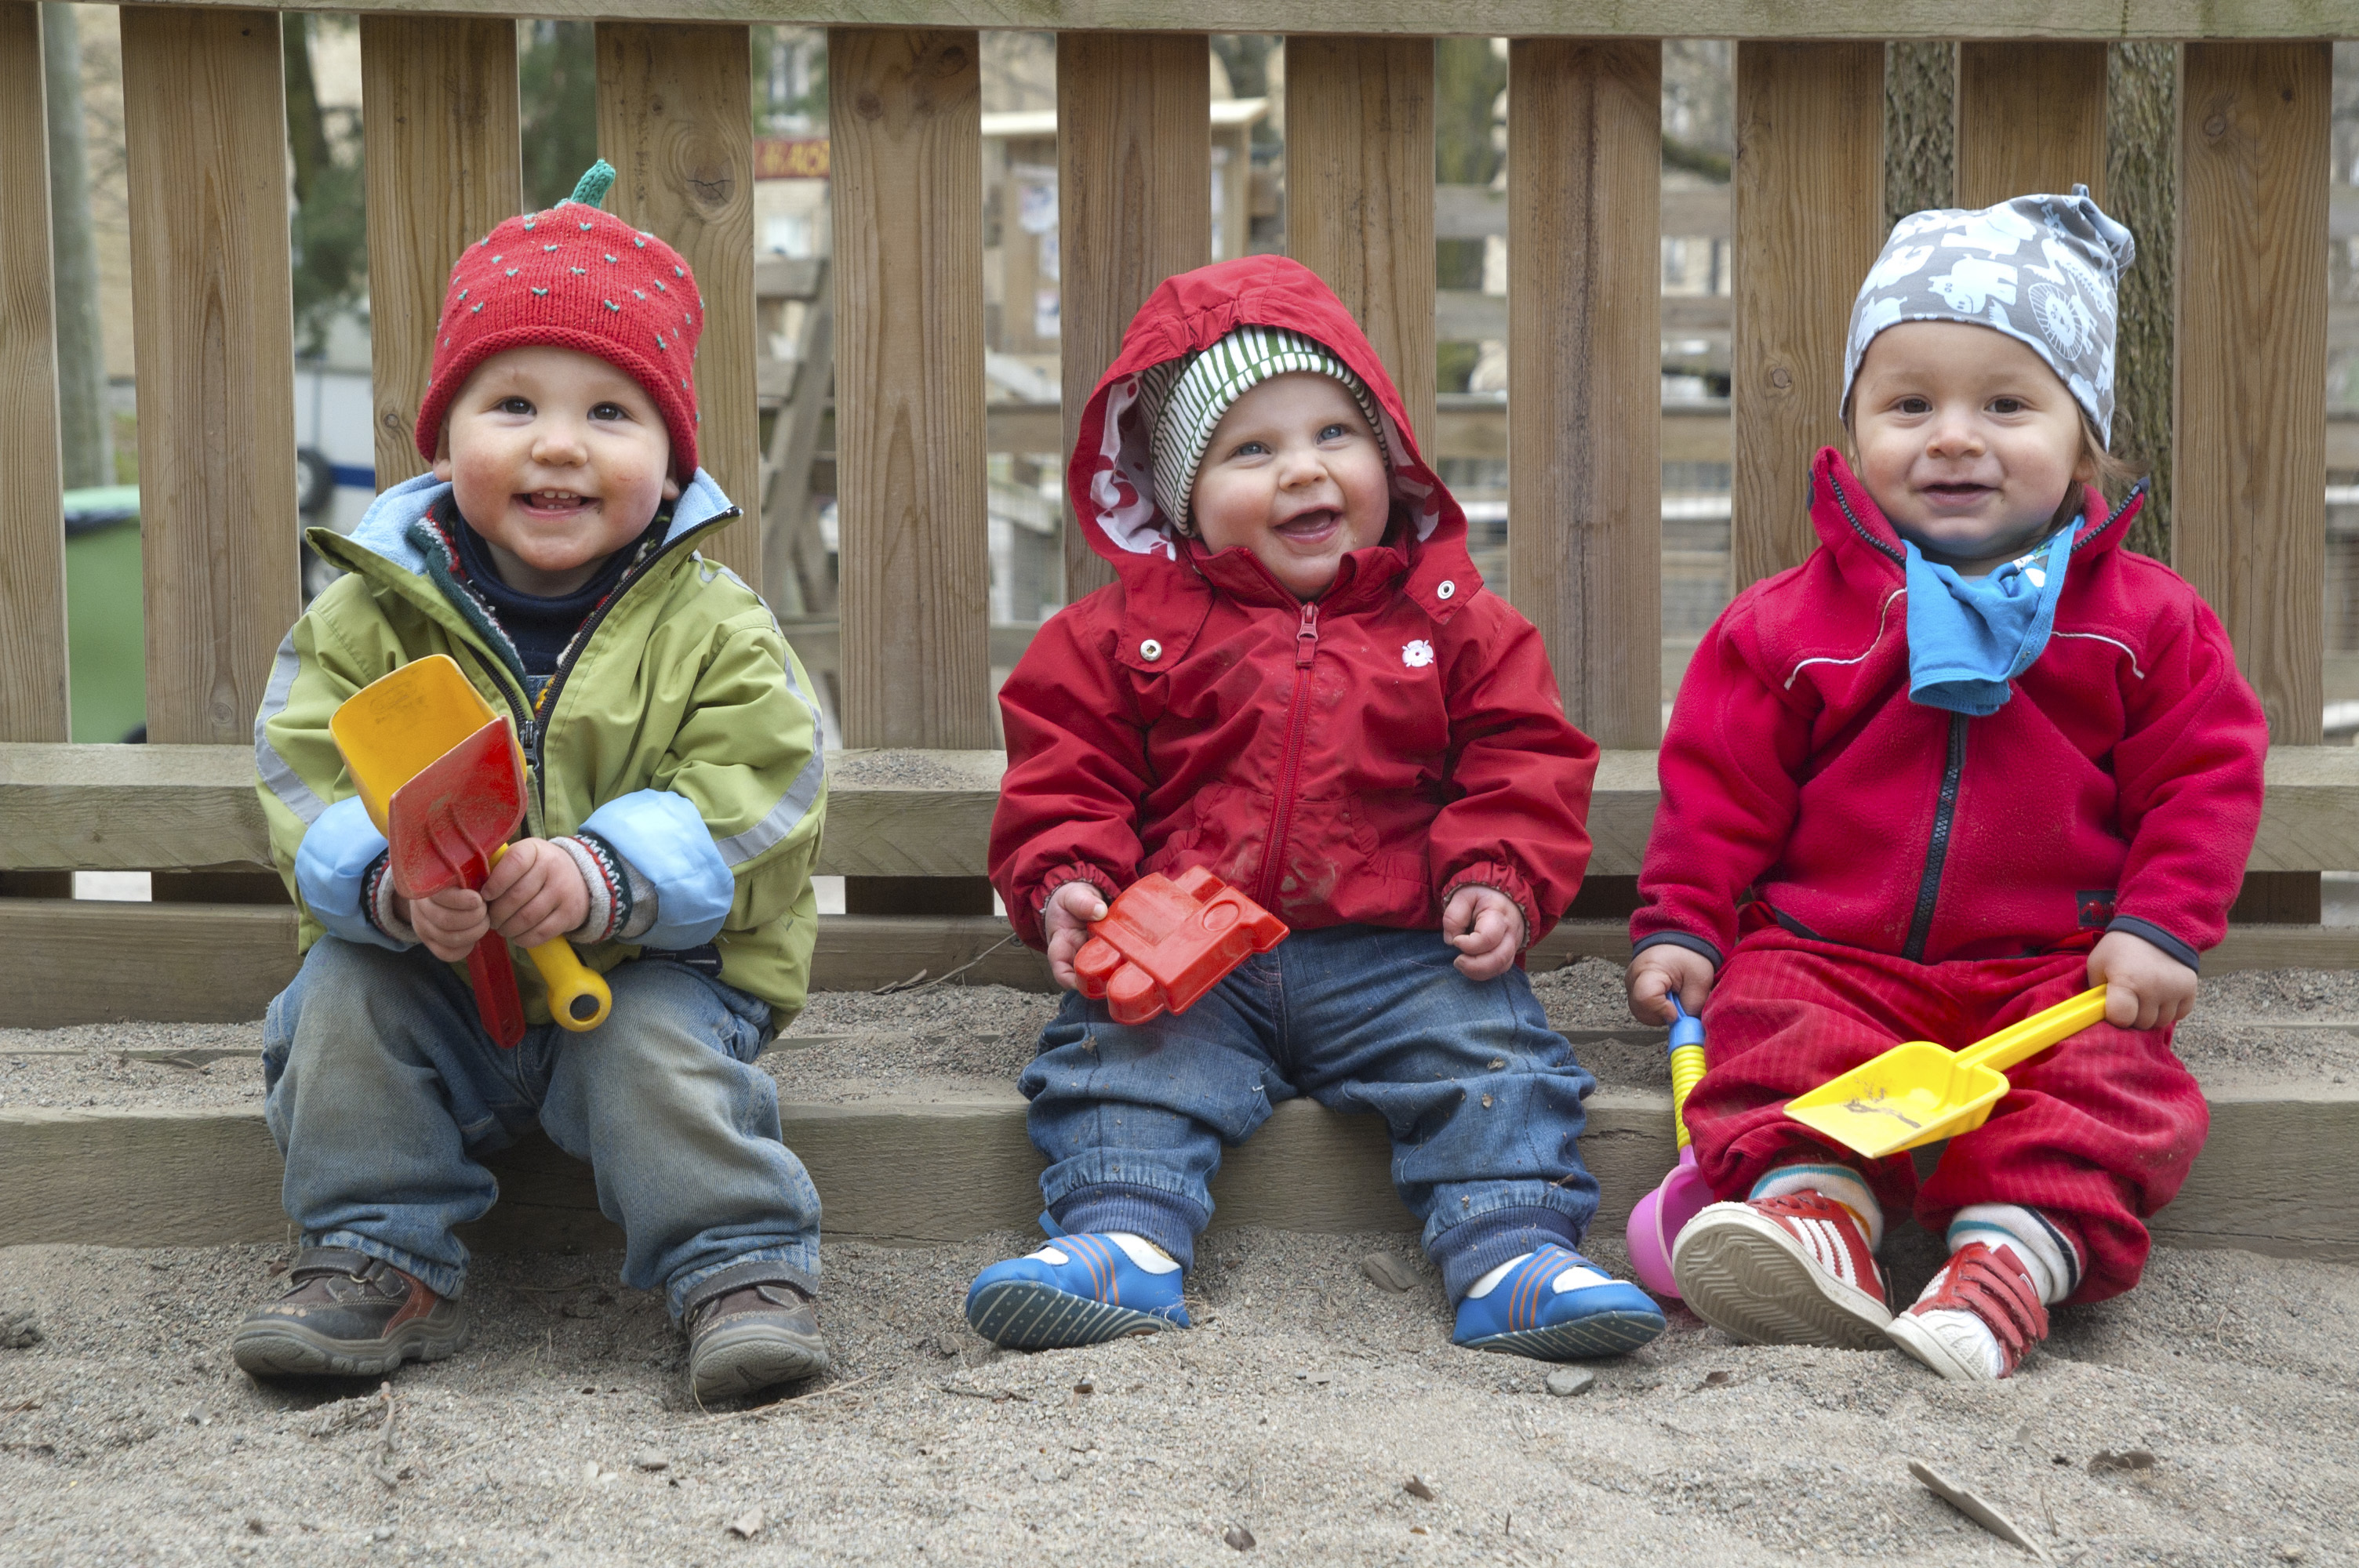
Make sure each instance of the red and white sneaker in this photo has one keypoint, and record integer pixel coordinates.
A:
(1784, 1270)
(1977, 1320)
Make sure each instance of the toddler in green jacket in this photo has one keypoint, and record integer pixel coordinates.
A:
(674, 796)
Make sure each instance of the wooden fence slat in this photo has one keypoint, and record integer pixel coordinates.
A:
(1359, 193)
(2031, 117)
(906, 162)
(906, 165)
(676, 119)
(33, 696)
(1809, 180)
(2249, 453)
(1134, 206)
(440, 132)
(1584, 553)
(205, 122)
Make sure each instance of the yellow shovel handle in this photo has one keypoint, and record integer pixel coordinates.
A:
(577, 996)
(1687, 1071)
(2022, 1041)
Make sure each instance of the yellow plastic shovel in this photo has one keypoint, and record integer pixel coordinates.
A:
(1921, 1092)
(399, 725)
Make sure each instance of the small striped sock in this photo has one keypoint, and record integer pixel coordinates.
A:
(1840, 1182)
(2041, 1246)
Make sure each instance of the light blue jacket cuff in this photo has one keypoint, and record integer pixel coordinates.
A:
(665, 841)
(332, 871)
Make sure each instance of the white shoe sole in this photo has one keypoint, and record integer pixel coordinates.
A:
(1911, 1336)
(1744, 1274)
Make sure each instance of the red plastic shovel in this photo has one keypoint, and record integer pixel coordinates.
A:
(444, 826)
(423, 736)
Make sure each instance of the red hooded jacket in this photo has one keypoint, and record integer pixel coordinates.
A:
(2118, 789)
(1353, 760)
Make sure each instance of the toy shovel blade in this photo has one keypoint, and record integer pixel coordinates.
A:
(444, 823)
(400, 723)
(443, 826)
(1920, 1092)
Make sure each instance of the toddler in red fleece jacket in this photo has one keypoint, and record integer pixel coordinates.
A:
(1968, 759)
(1297, 683)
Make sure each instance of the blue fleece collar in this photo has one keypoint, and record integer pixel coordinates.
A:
(1969, 637)
(384, 528)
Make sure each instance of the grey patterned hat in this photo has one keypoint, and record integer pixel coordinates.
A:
(2042, 269)
(1190, 396)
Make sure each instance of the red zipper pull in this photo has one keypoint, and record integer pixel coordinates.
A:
(1306, 636)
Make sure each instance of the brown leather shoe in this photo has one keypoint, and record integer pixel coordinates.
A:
(347, 1314)
(752, 1338)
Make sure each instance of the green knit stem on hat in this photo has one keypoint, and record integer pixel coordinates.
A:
(591, 190)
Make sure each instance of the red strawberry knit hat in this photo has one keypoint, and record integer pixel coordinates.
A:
(573, 277)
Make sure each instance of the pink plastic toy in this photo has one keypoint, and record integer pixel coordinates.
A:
(1163, 944)
(1662, 1213)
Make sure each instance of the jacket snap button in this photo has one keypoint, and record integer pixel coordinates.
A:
(1446, 591)
(1150, 650)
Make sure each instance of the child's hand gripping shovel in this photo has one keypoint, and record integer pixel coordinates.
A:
(1661, 1215)
(425, 719)
(1921, 1092)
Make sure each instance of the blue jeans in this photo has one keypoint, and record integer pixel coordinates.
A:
(384, 1092)
(1482, 1098)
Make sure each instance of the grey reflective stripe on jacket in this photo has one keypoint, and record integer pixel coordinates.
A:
(282, 779)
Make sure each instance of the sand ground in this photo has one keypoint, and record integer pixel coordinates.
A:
(1297, 1411)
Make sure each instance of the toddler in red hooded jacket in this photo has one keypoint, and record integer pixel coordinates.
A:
(1968, 759)
(1297, 683)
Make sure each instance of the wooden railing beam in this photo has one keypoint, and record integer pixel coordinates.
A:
(1872, 20)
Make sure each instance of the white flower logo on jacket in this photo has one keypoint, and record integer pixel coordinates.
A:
(1417, 654)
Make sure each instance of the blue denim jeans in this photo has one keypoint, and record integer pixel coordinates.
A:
(1482, 1098)
(384, 1092)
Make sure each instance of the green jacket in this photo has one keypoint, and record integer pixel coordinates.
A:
(681, 729)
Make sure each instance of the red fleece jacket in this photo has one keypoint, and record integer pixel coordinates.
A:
(2118, 789)
(1355, 760)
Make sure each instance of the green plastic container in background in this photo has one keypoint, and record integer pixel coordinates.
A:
(105, 626)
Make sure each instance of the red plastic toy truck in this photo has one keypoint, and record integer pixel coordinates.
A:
(1163, 944)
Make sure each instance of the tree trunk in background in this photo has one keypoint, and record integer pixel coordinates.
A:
(1921, 127)
(83, 427)
(2141, 178)
(306, 133)
(2142, 192)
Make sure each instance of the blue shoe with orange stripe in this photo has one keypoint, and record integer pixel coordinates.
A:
(1078, 1289)
(1555, 1306)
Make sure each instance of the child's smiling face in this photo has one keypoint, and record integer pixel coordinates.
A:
(1294, 474)
(558, 460)
(1966, 439)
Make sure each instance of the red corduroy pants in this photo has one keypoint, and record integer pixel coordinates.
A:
(2097, 1134)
